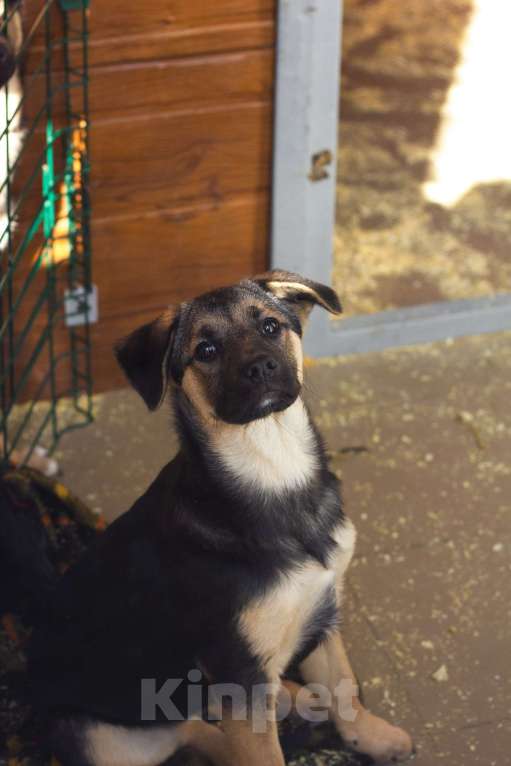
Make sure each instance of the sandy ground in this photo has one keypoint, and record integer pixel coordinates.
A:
(393, 248)
(421, 438)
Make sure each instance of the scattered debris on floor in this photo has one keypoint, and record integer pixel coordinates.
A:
(441, 674)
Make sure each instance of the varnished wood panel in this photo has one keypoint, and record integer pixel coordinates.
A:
(121, 33)
(181, 138)
(161, 14)
(224, 37)
(181, 83)
(153, 162)
(187, 250)
(150, 162)
(145, 88)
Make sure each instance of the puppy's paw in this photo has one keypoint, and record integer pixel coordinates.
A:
(377, 738)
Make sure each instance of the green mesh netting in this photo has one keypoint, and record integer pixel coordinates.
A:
(45, 377)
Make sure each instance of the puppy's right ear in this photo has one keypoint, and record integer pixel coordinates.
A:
(144, 356)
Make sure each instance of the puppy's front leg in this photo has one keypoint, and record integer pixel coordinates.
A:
(329, 666)
(254, 741)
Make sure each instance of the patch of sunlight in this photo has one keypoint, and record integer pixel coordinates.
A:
(474, 143)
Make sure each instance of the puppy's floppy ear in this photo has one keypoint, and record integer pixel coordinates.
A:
(144, 356)
(301, 293)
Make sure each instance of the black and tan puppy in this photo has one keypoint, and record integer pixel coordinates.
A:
(226, 570)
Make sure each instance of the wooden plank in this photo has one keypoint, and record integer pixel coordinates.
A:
(121, 33)
(181, 103)
(151, 260)
(182, 83)
(188, 42)
(173, 14)
(159, 46)
(107, 19)
(151, 162)
(164, 85)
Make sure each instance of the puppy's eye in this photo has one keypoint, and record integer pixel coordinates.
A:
(206, 351)
(271, 326)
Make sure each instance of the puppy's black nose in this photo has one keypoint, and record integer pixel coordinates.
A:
(261, 369)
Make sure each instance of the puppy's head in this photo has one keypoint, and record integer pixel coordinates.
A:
(235, 353)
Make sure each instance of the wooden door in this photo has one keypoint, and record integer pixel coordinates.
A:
(181, 133)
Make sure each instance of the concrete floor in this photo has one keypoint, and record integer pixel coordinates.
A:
(421, 439)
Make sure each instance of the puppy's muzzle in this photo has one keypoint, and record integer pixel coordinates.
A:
(261, 369)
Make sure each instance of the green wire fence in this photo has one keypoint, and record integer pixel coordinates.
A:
(45, 259)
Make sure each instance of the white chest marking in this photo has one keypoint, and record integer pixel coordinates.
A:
(274, 454)
(274, 624)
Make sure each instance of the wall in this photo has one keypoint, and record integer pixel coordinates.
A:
(181, 150)
(181, 132)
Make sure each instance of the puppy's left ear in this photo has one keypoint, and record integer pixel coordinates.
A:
(145, 355)
(301, 293)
